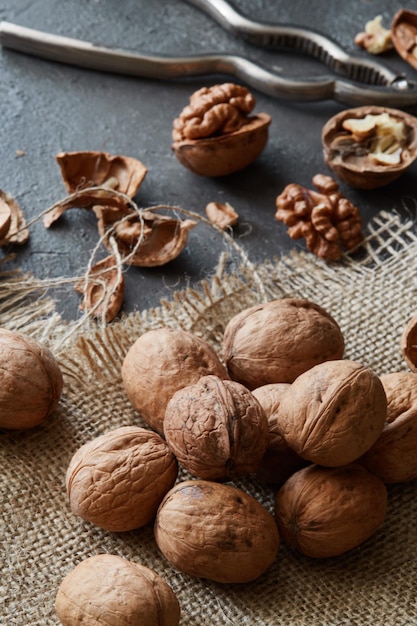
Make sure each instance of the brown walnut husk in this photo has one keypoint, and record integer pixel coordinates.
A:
(279, 460)
(160, 362)
(109, 590)
(117, 480)
(216, 531)
(215, 135)
(393, 457)
(348, 155)
(277, 341)
(216, 428)
(30, 381)
(324, 512)
(333, 413)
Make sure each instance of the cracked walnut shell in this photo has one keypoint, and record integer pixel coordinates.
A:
(333, 413)
(215, 135)
(324, 512)
(404, 35)
(216, 428)
(109, 590)
(216, 531)
(30, 381)
(117, 480)
(160, 362)
(275, 342)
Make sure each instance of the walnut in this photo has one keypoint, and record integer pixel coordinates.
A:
(221, 214)
(215, 135)
(30, 381)
(333, 413)
(117, 480)
(216, 429)
(275, 342)
(324, 512)
(375, 39)
(279, 460)
(404, 35)
(328, 222)
(216, 531)
(160, 362)
(370, 146)
(109, 590)
(103, 289)
(393, 456)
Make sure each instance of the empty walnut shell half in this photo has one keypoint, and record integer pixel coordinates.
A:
(370, 146)
(404, 35)
(215, 135)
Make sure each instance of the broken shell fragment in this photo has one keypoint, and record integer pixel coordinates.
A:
(13, 228)
(370, 146)
(222, 215)
(100, 169)
(103, 289)
(404, 35)
(5, 218)
(409, 343)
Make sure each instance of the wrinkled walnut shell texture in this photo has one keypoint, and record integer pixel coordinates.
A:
(216, 429)
(324, 512)
(31, 381)
(393, 457)
(159, 363)
(117, 480)
(277, 341)
(216, 531)
(108, 590)
(357, 172)
(333, 413)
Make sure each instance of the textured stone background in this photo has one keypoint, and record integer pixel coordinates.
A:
(46, 108)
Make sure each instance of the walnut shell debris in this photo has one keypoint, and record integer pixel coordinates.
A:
(117, 480)
(333, 413)
(276, 341)
(393, 457)
(103, 289)
(31, 381)
(216, 429)
(370, 146)
(215, 135)
(13, 222)
(109, 590)
(327, 220)
(160, 362)
(5, 218)
(404, 35)
(324, 512)
(222, 214)
(216, 531)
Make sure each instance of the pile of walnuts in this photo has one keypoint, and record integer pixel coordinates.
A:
(282, 404)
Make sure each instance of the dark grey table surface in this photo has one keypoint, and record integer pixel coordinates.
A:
(46, 108)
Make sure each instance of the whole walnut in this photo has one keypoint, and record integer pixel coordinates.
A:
(277, 341)
(109, 590)
(216, 428)
(393, 457)
(324, 512)
(117, 480)
(279, 460)
(162, 361)
(30, 381)
(334, 412)
(216, 531)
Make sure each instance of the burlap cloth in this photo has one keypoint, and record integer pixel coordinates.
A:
(371, 294)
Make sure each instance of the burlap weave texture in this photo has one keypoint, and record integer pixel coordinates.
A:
(371, 295)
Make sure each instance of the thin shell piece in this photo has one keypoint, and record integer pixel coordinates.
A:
(103, 289)
(17, 231)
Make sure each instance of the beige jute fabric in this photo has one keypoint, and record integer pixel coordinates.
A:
(371, 294)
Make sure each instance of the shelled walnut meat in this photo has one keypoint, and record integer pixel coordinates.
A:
(117, 480)
(216, 531)
(327, 220)
(370, 146)
(109, 590)
(160, 362)
(333, 413)
(275, 342)
(216, 428)
(324, 512)
(215, 135)
(31, 381)
(393, 457)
